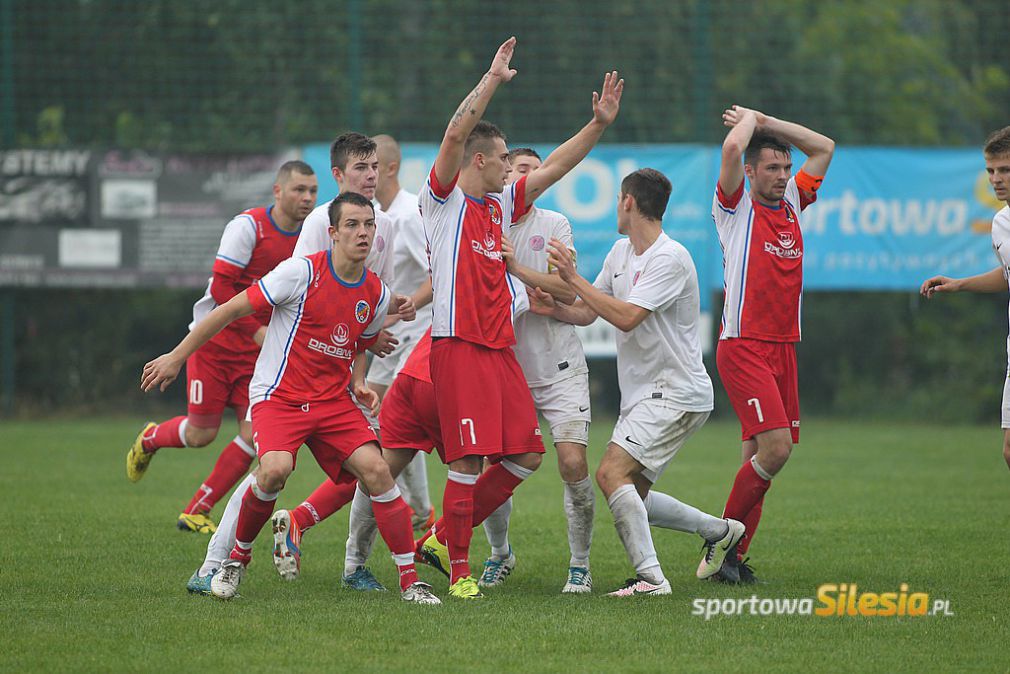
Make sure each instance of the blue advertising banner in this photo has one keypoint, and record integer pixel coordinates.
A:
(886, 218)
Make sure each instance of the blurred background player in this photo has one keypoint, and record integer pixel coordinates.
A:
(410, 259)
(551, 357)
(325, 308)
(648, 289)
(218, 374)
(484, 405)
(762, 247)
(997, 166)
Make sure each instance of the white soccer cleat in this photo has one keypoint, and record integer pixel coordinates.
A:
(580, 581)
(715, 551)
(420, 593)
(287, 545)
(224, 584)
(497, 570)
(637, 586)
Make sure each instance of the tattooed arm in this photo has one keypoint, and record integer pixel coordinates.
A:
(469, 112)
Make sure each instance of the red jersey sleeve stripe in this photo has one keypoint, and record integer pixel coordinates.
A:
(437, 190)
(729, 203)
(519, 206)
(257, 299)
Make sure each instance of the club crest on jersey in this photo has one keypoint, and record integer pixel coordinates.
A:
(362, 311)
(340, 335)
(787, 240)
(380, 243)
(537, 243)
(492, 210)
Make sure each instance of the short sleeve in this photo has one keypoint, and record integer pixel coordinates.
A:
(381, 310)
(605, 279)
(662, 280)
(315, 235)
(287, 283)
(237, 244)
(726, 209)
(796, 196)
(514, 201)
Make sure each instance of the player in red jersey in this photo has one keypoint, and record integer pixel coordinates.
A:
(218, 374)
(762, 247)
(484, 404)
(327, 308)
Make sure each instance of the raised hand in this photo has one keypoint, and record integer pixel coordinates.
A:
(404, 307)
(607, 104)
(541, 303)
(162, 370)
(500, 63)
(561, 259)
(732, 116)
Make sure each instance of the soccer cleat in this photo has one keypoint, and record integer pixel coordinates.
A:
(729, 572)
(224, 584)
(362, 580)
(715, 551)
(196, 522)
(420, 593)
(422, 523)
(497, 570)
(435, 554)
(746, 573)
(137, 459)
(287, 545)
(198, 584)
(636, 586)
(580, 581)
(465, 588)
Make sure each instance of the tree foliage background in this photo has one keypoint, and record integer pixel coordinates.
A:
(251, 75)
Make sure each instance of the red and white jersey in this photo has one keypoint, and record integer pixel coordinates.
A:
(314, 330)
(416, 365)
(315, 237)
(252, 244)
(762, 252)
(410, 261)
(547, 349)
(473, 295)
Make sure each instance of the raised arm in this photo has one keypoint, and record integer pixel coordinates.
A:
(470, 111)
(606, 105)
(742, 123)
(817, 147)
(164, 369)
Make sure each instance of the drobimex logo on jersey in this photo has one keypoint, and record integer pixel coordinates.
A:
(340, 335)
(787, 240)
(362, 311)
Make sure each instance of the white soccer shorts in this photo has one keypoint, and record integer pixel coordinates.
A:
(653, 431)
(565, 406)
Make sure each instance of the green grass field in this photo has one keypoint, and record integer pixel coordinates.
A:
(93, 570)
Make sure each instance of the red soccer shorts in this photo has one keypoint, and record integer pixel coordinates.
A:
(408, 417)
(484, 404)
(332, 430)
(217, 379)
(760, 378)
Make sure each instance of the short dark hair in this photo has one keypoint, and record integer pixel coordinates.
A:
(293, 166)
(523, 152)
(478, 139)
(998, 143)
(349, 145)
(761, 140)
(337, 205)
(651, 190)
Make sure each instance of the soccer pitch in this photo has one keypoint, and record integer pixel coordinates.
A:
(93, 571)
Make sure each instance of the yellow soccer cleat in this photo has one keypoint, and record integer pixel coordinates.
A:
(435, 554)
(137, 459)
(196, 522)
(465, 588)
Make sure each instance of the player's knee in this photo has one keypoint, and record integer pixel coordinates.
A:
(375, 476)
(272, 479)
(572, 466)
(775, 455)
(199, 436)
(606, 479)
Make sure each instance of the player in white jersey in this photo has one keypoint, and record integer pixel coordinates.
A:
(997, 165)
(648, 289)
(411, 263)
(551, 357)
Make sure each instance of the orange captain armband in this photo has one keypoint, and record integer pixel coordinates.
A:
(807, 182)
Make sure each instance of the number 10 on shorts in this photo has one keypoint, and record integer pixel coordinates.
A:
(757, 408)
(466, 430)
